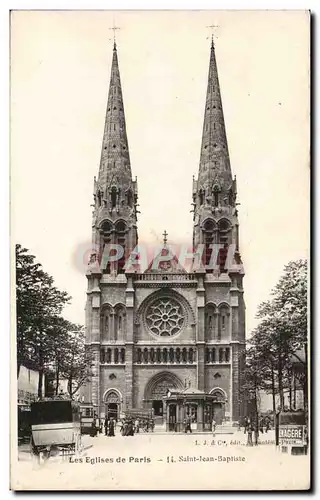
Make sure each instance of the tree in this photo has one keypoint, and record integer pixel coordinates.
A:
(77, 360)
(286, 317)
(282, 332)
(39, 303)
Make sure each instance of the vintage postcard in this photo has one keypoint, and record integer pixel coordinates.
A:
(160, 245)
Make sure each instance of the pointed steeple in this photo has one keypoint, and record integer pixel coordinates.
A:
(214, 158)
(214, 192)
(115, 192)
(115, 158)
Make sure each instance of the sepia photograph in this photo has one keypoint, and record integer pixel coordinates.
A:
(159, 186)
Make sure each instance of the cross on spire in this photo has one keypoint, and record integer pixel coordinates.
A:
(213, 35)
(114, 28)
(165, 234)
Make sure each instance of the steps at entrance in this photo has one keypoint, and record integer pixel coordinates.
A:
(225, 429)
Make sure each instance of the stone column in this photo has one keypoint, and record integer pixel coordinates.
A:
(200, 416)
(95, 340)
(200, 330)
(112, 326)
(129, 367)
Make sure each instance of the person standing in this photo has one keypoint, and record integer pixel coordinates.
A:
(249, 432)
(188, 425)
(213, 427)
(93, 430)
(137, 425)
(256, 432)
(106, 426)
(130, 428)
(111, 427)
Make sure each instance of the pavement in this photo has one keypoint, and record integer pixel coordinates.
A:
(171, 461)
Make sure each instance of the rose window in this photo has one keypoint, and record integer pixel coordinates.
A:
(165, 317)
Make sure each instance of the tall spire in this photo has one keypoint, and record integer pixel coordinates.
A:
(115, 193)
(214, 157)
(214, 192)
(115, 159)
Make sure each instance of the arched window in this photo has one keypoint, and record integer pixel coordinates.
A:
(178, 355)
(227, 355)
(113, 197)
(119, 320)
(102, 355)
(210, 321)
(165, 355)
(213, 355)
(220, 355)
(209, 240)
(122, 356)
(116, 356)
(207, 355)
(106, 328)
(223, 327)
(184, 355)
(108, 356)
(145, 355)
(171, 355)
(190, 355)
(152, 357)
(139, 355)
(158, 355)
(216, 196)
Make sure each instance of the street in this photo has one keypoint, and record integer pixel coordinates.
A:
(166, 461)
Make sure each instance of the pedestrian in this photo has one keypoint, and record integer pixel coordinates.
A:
(125, 428)
(106, 426)
(130, 428)
(267, 425)
(93, 429)
(245, 424)
(187, 422)
(213, 427)
(261, 425)
(97, 422)
(136, 425)
(256, 432)
(152, 425)
(111, 427)
(249, 432)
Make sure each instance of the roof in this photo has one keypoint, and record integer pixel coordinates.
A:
(165, 262)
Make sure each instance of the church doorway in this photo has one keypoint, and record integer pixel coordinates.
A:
(218, 413)
(157, 406)
(156, 389)
(172, 417)
(112, 405)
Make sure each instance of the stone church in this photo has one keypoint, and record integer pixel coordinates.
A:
(165, 328)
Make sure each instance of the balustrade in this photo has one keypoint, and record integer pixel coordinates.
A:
(217, 355)
(112, 355)
(162, 276)
(165, 355)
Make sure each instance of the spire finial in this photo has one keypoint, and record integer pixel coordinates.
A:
(212, 27)
(165, 234)
(114, 28)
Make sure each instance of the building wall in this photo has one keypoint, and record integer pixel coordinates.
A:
(28, 384)
(131, 378)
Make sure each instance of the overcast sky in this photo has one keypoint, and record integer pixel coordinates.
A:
(60, 72)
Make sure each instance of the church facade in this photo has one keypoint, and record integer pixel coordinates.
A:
(165, 328)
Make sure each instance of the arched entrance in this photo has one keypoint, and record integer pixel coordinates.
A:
(218, 405)
(157, 388)
(112, 399)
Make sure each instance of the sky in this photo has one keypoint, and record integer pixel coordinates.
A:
(60, 71)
